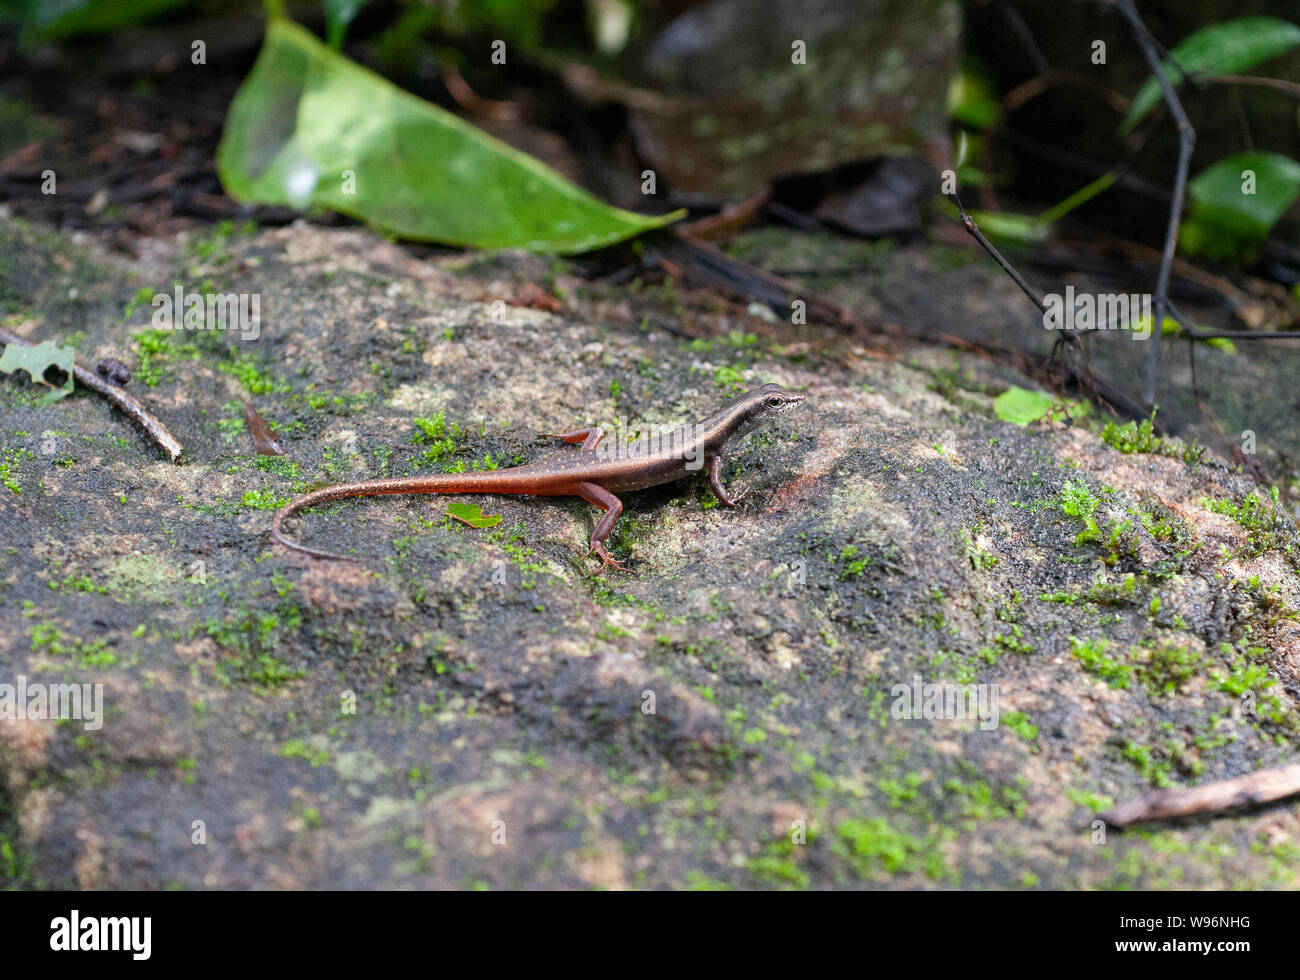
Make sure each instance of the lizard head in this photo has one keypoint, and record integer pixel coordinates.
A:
(771, 400)
(763, 405)
(744, 414)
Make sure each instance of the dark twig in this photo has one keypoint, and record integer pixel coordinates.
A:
(1186, 141)
(1250, 464)
(124, 400)
(1191, 363)
(1082, 371)
(1163, 804)
(1039, 84)
(1195, 333)
(973, 230)
(1021, 30)
(1291, 88)
(1067, 339)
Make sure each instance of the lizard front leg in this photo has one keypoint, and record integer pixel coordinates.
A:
(715, 481)
(594, 493)
(590, 438)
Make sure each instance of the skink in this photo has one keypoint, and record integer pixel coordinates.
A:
(595, 472)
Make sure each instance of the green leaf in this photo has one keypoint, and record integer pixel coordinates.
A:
(1236, 202)
(1021, 406)
(1022, 229)
(471, 514)
(306, 118)
(1220, 49)
(1169, 327)
(37, 360)
(971, 100)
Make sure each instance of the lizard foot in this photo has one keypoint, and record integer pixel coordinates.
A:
(729, 501)
(605, 559)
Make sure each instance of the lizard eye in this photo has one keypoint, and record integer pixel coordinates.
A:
(774, 401)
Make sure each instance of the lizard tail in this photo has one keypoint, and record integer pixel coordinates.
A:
(454, 483)
(291, 508)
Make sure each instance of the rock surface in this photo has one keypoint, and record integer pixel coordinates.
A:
(472, 709)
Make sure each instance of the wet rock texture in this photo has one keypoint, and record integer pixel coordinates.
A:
(471, 708)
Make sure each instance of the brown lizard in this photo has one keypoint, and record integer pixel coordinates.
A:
(595, 472)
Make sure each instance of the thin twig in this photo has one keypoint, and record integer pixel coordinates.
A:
(1196, 333)
(1068, 338)
(1250, 464)
(730, 220)
(1039, 84)
(475, 104)
(973, 230)
(1163, 804)
(1186, 141)
(1018, 27)
(124, 400)
(1291, 88)
(1069, 345)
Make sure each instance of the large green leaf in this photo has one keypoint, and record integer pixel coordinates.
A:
(1232, 214)
(1220, 49)
(306, 118)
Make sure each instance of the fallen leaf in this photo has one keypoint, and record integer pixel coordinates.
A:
(37, 360)
(472, 515)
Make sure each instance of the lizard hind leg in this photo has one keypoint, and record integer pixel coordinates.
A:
(594, 493)
(719, 491)
(590, 438)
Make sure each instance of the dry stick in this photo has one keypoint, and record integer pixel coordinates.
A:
(1291, 88)
(1018, 27)
(1039, 84)
(729, 219)
(1069, 339)
(1186, 140)
(1163, 804)
(1196, 333)
(973, 230)
(124, 400)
